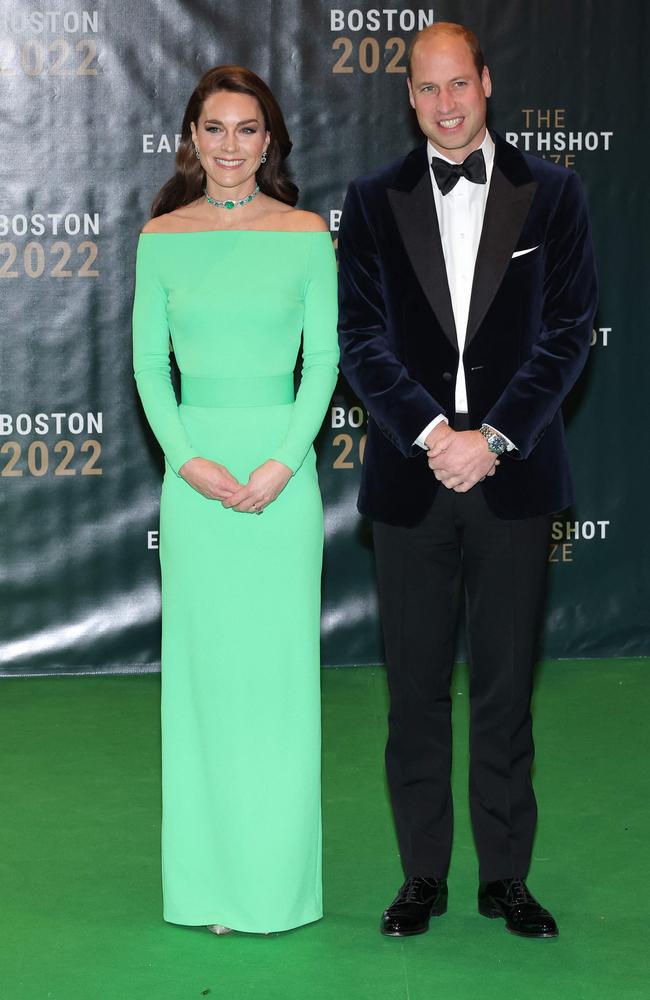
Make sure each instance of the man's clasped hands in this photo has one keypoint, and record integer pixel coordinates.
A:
(459, 459)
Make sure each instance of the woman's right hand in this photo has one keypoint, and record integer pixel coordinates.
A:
(208, 478)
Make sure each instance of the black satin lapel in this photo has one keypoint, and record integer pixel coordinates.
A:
(505, 214)
(417, 221)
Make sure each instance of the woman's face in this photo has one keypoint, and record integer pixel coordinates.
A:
(231, 139)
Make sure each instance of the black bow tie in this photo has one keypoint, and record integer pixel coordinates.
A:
(447, 174)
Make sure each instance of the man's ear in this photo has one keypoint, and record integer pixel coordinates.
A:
(411, 98)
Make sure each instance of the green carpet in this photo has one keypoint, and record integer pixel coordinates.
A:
(79, 859)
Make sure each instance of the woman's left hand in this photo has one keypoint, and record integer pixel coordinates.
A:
(264, 485)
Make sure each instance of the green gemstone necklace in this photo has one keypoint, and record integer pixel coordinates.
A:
(233, 204)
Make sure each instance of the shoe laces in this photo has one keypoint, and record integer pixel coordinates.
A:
(412, 888)
(518, 893)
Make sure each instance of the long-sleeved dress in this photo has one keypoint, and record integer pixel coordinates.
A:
(241, 834)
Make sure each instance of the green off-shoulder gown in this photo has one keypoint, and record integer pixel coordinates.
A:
(241, 827)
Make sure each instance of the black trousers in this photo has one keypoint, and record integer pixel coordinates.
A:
(501, 565)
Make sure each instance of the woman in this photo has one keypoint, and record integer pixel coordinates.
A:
(235, 274)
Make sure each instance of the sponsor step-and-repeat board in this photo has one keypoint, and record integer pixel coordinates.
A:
(92, 98)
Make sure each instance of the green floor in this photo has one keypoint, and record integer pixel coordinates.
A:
(79, 879)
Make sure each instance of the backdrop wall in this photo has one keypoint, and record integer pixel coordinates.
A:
(91, 99)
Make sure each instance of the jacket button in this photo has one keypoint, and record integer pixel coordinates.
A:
(447, 376)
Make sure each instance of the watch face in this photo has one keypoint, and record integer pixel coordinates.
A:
(495, 444)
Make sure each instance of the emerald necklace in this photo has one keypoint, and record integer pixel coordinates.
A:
(233, 204)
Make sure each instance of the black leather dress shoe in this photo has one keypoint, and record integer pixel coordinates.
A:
(510, 898)
(419, 899)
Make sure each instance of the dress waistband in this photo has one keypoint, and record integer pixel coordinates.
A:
(268, 390)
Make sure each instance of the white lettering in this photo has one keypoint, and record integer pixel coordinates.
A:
(601, 333)
(95, 423)
(585, 530)
(373, 20)
(335, 219)
(560, 141)
(50, 224)
(59, 423)
(390, 14)
(338, 416)
(355, 20)
(71, 21)
(40, 423)
(76, 423)
(38, 21)
(376, 19)
(58, 418)
(407, 20)
(152, 539)
(90, 21)
(163, 144)
(356, 416)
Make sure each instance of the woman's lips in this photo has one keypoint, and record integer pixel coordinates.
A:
(228, 164)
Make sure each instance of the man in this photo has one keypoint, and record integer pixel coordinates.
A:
(467, 297)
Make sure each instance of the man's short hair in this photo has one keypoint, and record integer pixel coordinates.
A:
(456, 30)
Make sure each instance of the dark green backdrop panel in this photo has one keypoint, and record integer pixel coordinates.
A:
(92, 97)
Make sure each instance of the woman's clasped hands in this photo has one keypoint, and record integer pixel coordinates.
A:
(216, 482)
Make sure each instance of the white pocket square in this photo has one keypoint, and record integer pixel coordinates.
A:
(520, 253)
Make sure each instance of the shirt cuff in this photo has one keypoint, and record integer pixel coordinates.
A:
(421, 440)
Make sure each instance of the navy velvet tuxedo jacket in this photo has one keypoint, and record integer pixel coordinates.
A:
(528, 335)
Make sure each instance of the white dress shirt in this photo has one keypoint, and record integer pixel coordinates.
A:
(460, 219)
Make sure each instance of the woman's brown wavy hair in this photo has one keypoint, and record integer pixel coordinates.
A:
(188, 182)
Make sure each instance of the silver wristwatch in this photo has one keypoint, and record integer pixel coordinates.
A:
(495, 441)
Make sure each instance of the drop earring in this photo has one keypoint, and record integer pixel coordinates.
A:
(263, 160)
(196, 152)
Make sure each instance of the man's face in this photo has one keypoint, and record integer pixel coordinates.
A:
(448, 95)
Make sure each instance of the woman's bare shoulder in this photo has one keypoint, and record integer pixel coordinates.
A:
(182, 219)
(297, 220)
